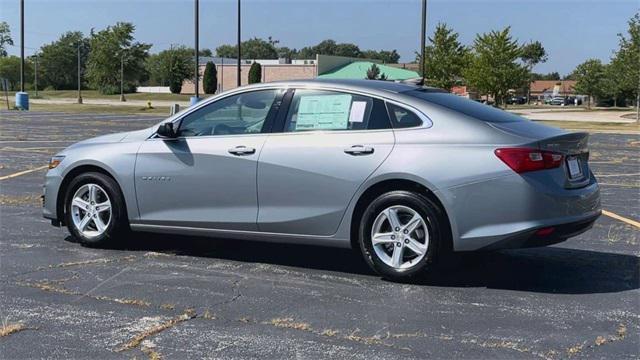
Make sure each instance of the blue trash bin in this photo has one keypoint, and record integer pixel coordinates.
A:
(194, 100)
(22, 100)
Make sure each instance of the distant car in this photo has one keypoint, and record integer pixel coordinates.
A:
(558, 101)
(517, 100)
(572, 101)
(401, 173)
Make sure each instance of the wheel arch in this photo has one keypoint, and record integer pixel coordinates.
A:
(383, 186)
(69, 176)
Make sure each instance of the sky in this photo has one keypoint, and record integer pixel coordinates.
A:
(570, 30)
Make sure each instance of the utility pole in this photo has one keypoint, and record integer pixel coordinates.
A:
(423, 40)
(35, 75)
(238, 79)
(22, 45)
(197, 48)
(79, 77)
(122, 77)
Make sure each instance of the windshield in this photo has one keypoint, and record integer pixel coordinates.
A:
(468, 107)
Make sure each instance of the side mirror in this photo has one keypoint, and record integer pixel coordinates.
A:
(166, 130)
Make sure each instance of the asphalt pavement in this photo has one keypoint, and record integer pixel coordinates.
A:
(183, 297)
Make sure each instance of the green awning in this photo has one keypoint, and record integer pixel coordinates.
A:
(358, 70)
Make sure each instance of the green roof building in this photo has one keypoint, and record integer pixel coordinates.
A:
(358, 70)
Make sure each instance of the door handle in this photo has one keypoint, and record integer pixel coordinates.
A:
(359, 150)
(242, 150)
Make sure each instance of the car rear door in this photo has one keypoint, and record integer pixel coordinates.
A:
(206, 178)
(329, 143)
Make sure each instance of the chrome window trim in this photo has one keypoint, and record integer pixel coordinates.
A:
(426, 121)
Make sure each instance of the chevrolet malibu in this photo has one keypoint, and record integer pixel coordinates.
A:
(402, 174)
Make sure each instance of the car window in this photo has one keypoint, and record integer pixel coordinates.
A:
(402, 118)
(239, 114)
(465, 106)
(331, 110)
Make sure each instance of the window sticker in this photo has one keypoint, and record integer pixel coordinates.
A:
(357, 111)
(318, 112)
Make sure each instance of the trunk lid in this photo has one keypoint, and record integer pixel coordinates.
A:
(574, 172)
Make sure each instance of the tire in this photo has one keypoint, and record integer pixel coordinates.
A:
(426, 237)
(88, 195)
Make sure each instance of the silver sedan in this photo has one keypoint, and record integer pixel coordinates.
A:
(402, 174)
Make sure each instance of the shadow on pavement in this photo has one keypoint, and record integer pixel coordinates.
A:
(544, 270)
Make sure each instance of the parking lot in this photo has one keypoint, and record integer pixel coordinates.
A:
(183, 297)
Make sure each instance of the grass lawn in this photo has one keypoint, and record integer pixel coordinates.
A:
(100, 109)
(94, 94)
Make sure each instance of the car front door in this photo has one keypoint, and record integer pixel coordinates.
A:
(307, 174)
(206, 177)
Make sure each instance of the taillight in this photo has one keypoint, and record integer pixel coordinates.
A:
(528, 159)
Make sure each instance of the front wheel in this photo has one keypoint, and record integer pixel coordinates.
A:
(95, 212)
(400, 234)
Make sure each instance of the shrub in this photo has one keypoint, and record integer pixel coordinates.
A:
(175, 86)
(210, 79)
(255, 73)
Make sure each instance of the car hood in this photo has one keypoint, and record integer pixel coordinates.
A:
(128, 136)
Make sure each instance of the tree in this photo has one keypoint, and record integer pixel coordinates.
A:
(10, 70)
(550, 76)
(170, 66)
(58, 61)
(210, 79)
(373, 73)
(255, 48)
(494, 67)
(589, 79)
(255, 73)
(108, 48)
(531, 55)
(5, 38)
(627, 61)
(445, 58)
(205, 53)
(387, 57)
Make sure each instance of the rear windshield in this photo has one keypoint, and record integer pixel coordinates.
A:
(468, 107)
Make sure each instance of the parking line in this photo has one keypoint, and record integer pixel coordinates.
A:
(621, 218)
(23, 172)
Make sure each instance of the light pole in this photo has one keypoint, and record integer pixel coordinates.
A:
(21, 45)
(423, 40)
(79, 77)
(197, 50)
(35, 75)
(238, 78)
(122, 77)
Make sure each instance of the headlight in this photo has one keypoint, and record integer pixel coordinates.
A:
(55, 161)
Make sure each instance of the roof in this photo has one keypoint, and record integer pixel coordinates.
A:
(539, 86)
(358, 70)
(378, 87)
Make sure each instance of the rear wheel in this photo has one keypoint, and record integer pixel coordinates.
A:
(95, 213)
(400, 234)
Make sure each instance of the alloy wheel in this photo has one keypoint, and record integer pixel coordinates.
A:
(91, 210)
(400, 237)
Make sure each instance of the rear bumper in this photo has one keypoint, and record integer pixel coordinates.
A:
(531, 238)
(510, 209)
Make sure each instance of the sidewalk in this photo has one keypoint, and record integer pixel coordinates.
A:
(576, 115)
(138, 103)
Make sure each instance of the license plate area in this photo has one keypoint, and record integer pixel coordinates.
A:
(574, 167)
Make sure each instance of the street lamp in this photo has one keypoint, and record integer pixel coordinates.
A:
(122, 98)
(79, 77)
(196, 21)
(238, 78)
(423, 40)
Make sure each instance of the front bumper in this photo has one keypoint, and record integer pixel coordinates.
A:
(50, 190)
